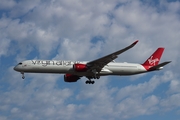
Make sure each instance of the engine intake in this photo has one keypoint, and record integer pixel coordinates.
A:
(80, 67)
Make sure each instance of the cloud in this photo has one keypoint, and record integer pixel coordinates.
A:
(131, 107)
(69, 29)
(5, 5)
(171, 102)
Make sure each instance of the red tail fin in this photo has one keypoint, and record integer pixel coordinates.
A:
(154, 58)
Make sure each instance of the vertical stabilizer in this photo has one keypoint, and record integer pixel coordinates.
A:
(154, 59)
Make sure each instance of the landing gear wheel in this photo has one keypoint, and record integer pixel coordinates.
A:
(90, 82)
(87, 82)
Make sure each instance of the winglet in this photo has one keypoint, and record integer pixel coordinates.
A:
(135, 42)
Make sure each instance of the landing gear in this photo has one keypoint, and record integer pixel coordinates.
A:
(90, 82)
(94, 76)
(23, 75)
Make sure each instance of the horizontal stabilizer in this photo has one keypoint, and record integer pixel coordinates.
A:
(159, 66)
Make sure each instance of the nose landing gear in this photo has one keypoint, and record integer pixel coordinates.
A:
(22, 75)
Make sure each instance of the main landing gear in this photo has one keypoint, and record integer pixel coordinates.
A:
(89, 81)
(22, 75)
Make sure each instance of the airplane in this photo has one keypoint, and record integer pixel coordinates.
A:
(103, 66)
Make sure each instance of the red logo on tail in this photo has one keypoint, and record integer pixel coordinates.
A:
(152, 61)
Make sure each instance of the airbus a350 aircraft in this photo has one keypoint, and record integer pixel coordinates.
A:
(74, 70)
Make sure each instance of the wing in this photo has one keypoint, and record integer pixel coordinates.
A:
(101, 62)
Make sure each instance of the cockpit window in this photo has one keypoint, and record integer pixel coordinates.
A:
(20, 64)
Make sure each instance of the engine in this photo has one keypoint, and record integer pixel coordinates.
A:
(80, 67)
(71, 78)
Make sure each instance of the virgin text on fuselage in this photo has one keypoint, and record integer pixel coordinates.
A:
(53, 62)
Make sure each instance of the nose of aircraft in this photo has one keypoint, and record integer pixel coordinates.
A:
(16, 68)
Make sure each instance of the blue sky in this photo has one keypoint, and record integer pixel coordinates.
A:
(87, 30)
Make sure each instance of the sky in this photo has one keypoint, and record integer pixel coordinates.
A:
(86, 30)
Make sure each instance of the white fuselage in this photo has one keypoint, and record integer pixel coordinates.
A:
(63, 67)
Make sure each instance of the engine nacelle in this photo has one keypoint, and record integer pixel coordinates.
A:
(80, 67)
(71, 78)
